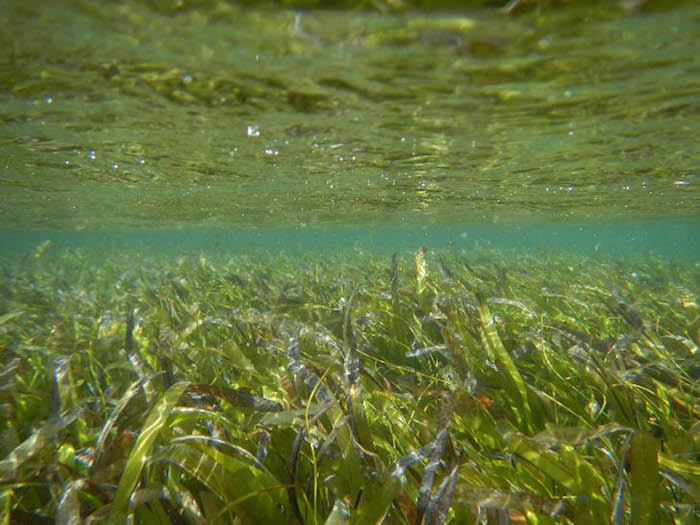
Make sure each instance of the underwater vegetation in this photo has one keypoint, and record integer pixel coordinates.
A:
(437, 387)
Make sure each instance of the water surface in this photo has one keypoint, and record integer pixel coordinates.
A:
(122, 115)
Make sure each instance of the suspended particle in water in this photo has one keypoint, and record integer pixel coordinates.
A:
(252, 131)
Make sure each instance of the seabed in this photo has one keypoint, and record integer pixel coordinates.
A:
(432, 387)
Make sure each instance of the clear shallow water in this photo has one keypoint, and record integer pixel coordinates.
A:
(124, 116)
(679, 241)
(136, 141)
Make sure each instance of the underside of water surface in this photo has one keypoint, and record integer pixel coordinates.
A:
(134, 114)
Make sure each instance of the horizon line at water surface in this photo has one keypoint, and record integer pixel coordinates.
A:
(673, 240)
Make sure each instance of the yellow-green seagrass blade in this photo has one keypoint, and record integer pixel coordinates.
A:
(645, 479)
(137, 459)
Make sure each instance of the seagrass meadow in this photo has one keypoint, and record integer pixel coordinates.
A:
(429, 387)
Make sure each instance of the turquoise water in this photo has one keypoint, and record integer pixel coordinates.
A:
(679, 241)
